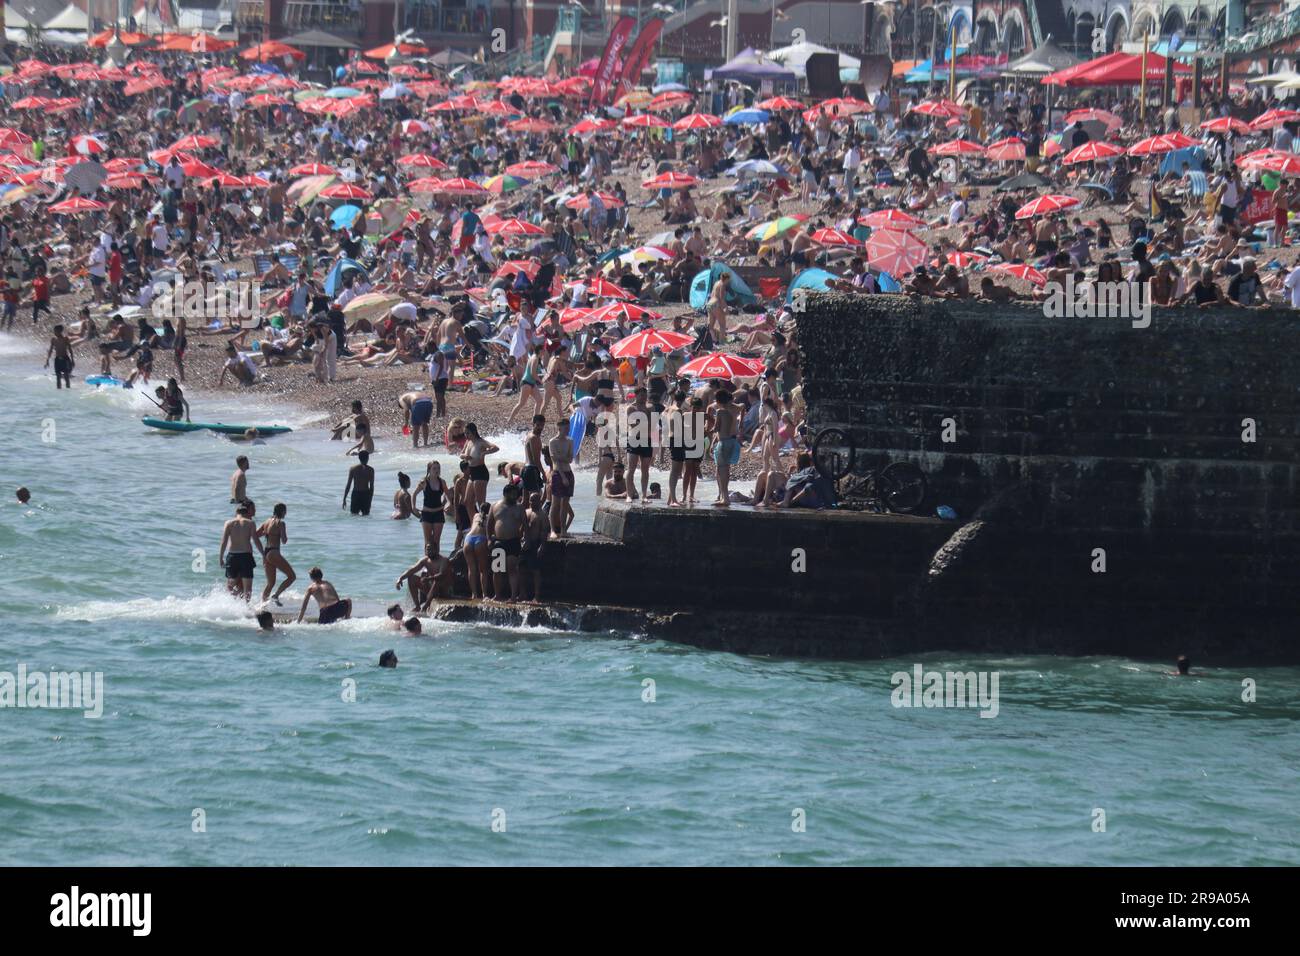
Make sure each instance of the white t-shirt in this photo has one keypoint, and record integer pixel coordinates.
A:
(956, 212)
(159, 237)
(174, 175)
(98, 261)
(1292, 285)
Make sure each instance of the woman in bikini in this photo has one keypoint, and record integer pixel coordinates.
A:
(276, 535)
(402, 498)
(478, 563)
(433, 507)
(529, 383)
(475, 453)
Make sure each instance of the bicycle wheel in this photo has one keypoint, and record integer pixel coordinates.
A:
(833, 453)
(903, 487)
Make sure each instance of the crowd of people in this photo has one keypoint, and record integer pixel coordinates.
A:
(617, 280)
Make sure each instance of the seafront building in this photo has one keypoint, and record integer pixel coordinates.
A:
(534, 34)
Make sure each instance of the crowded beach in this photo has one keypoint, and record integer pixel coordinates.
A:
(613, 273)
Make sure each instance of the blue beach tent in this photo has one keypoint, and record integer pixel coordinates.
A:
(814, 280)
(702, 284)
(334, 280)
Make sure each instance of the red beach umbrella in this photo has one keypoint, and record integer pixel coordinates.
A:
(640, 343)
(722, 365)
(348, 191)
(886, 218)
(697, 121)
(834, 237)
(1166, 143)
(1021, 271)
(958, 147)
(670, 180)
(895, 251)
(1044, 205)
(1092, 151)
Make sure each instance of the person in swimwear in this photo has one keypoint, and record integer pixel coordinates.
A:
(478, 562)
(172, 400)
(476, 452)
(417, 411)
(239, 480)
(559, 451)
(61, 349)
(455, 439)
(349, 425)
(238, 538)
(459, 489)
(430, 577)
(434, 506)
(726, 447)
(402, 498)
(361, 484)
(531, 476)
(330, 606)
(506, 523)
(276, 534)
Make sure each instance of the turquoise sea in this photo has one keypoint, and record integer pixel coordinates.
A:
(518, 746)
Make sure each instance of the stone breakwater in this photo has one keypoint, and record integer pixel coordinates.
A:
(1120, 490)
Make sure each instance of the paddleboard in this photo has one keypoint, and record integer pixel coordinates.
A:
(223, 429)
(577, 430)
(105, 380)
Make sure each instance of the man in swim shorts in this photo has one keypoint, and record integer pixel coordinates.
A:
(327, 600)
(417, 411)
(505, 527)
(559, 451)
(532, 475)
(361, 483)
(238, 538)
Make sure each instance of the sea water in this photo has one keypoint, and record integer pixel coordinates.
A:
(218, 745)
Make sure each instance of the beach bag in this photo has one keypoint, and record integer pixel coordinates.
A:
(626, 375)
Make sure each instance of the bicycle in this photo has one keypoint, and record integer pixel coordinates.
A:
(898, 487)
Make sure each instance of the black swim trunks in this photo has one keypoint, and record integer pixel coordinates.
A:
(240, 565)
(335, 612)
(479, 473)
(432, 516)
(462, 518)
(511, 547)
(361, 502)
(531, 478)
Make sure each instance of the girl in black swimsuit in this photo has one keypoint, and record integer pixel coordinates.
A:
(433, 507)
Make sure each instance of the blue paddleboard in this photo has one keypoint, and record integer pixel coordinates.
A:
(577, 430)
(105, 380)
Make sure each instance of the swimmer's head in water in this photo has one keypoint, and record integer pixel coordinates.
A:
(395, 612)
(412, 625)
(388, 659)
(1184, 664)
(250, 433)
(265, 621)
(24, 495)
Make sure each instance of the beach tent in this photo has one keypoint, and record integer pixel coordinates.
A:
(1193, 156)
(814, 280)
(334, 280)
(795, 57)
(70, 18)
(1046, 58)
(702, 284)
(752, 67)
(1123, 69)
